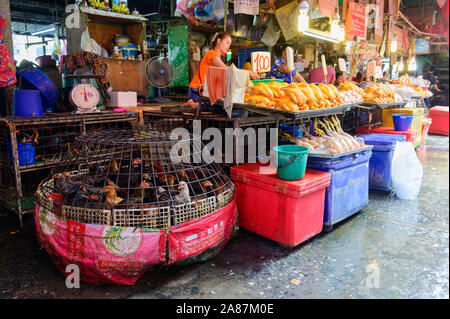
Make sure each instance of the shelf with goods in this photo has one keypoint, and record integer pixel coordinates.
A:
(30, 145)
(102, 27)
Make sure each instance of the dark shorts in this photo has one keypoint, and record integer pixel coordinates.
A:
(194, 94)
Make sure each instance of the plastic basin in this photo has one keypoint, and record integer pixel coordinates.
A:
(402, 122)
(33, 79)
(291, 161)
(267, 81)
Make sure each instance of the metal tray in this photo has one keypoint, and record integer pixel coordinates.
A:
(298, 114)
(382, 106)
(365, 148)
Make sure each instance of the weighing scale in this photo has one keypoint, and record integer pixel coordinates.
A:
(84, 96)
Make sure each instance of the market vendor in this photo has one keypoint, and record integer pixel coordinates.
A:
(340, 77)
(432, 78)
(220, 45)
(280, 69)
(316, 75)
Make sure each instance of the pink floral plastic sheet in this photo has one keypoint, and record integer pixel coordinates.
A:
(121, 255)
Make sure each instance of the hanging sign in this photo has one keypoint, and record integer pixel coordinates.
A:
(260, 61)
(371, 68)
(342, 65)
(250, 7)
(358, 19)
(398, 35)
(327, 8)
(379, 22)
(371, 19)
(422, 46)
(378, 72)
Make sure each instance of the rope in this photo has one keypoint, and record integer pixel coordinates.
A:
(12, 126)
(13, 129)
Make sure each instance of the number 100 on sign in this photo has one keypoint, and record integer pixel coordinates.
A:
(260, 61)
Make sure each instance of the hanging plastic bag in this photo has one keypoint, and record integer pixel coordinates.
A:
(407, 171)
(57, 47)
(86, 43)
(182, 8)
(204, 10)
(219, 11)
(271, 35)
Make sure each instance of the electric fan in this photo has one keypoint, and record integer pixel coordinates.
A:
(159, 73)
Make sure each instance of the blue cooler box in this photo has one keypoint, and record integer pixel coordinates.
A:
(348, 192)
(380, 175)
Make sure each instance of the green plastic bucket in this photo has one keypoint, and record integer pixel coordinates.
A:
(291, 161)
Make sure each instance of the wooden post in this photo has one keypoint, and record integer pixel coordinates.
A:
(15, 156)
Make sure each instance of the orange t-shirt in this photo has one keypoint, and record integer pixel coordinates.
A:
(199, 76)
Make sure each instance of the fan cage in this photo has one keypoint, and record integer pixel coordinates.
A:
(132, 179)
(152, 72)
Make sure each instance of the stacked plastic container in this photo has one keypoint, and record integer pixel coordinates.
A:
(410, 135)
(416, 123)
(288, 212)
(439, 116)
(348, 192)
(380, 172)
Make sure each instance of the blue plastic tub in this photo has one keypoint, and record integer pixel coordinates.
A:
(244, 54)
(380, 173)
(25, 152)
(27, 103)
(402, 122)
(348, 192)
(34, 79)
(427, 101)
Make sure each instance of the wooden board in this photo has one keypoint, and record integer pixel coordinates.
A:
(127, 75)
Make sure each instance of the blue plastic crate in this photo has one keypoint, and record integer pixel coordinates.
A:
(380, 174)
(348, 192)
(244, 54)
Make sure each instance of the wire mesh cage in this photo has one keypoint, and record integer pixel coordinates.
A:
(40, 142)
(135, 178)
(250, 135)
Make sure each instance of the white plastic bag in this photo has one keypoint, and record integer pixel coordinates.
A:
(57, 45)
(407, 171)
(86, 43)
(271, 35)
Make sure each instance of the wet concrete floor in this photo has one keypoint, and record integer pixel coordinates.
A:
(391, 249)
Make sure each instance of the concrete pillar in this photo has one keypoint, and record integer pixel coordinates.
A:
(7, 37)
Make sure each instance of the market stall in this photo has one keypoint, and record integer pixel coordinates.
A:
(277, 116)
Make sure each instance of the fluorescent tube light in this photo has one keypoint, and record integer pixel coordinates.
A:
(320, 36)
(43, 31)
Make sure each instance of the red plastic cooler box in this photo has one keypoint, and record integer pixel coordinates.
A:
(439, 116)
(410, 135)
(288, 212)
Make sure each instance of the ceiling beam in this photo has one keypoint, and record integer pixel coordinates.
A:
(37, 4)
